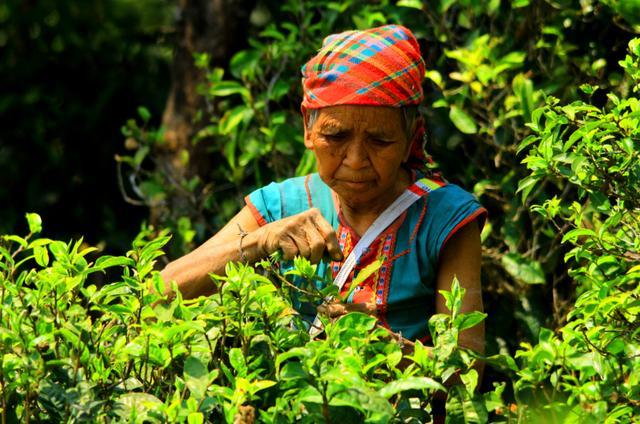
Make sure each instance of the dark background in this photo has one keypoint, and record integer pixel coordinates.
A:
(71, 74)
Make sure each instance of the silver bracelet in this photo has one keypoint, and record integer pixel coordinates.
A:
(242, 234)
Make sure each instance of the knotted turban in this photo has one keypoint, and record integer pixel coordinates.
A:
(375, 67)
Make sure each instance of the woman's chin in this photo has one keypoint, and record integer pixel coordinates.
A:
(357, 186)
(357, 197)
(352, 190)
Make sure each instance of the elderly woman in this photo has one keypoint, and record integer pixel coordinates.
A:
(361, 93)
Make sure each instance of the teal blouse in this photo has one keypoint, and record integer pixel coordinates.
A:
(403, 288)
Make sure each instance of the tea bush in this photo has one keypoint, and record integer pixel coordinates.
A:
(557, 167)
(71, 351)
(590, 155)
(489, 66)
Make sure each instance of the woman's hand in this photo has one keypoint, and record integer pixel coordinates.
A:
(336, 309)
(306, 234)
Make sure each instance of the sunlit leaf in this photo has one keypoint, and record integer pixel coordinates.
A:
(523, 269)
(410, 383)
(35, 223)
(462, 120)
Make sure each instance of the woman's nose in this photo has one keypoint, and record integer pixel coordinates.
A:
(356, 155)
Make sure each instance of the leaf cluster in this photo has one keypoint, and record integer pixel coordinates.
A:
(72, 351)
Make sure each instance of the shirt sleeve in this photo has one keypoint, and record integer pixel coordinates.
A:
(279, 200)
(265, 203)
(449, 209)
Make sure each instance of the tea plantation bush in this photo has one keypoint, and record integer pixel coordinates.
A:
(71, 351)
(526, 104)
(489, 66)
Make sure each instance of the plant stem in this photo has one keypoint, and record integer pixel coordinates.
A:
(4, 396)
(146, 362)
(27, 408)
(325, 404)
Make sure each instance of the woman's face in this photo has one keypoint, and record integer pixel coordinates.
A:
(359, 152)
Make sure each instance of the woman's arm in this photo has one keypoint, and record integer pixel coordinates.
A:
(461, 257)
(307, 234)
(191, 271)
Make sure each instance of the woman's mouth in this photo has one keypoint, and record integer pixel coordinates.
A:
(356, 184)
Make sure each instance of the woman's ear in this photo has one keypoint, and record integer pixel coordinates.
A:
(415, 138)
(307, 132)
(408, 151)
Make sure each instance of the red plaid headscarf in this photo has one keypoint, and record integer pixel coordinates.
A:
(377, 67)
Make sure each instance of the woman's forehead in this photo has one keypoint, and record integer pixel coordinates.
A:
(350, 116)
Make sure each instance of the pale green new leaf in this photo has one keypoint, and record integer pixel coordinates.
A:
(35, 222)
(410, 383)
(462, 120)
(196, 376)
(523, 269)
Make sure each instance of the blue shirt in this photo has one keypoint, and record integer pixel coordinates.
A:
(403, 288)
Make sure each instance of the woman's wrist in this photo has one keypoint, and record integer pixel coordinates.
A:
(251, 246)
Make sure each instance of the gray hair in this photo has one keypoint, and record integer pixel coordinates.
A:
(409, 117)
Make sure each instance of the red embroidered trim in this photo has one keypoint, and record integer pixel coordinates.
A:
(480, 212)
(426, 339)
(379, 281)
(382, 289)
(254, 211)
(306, 187)
(417, 190)
(414, 233)
(422, 214)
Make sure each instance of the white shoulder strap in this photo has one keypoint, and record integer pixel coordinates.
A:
(386, 218)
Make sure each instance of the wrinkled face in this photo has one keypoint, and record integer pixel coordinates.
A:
(359, 152)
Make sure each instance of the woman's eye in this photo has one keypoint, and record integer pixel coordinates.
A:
(334, 137)
(381, 142)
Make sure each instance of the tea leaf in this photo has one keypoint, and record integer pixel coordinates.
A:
(462, 121)
(196, 376)
(410, 383)
(35, 223)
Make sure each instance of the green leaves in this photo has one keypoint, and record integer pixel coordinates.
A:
(365, 273)
(197, 377)
(227, 88)
(35, 223)
(469, 320)
(108, 261)
(574, 234)
(410, 383)
(588, 154)
(462, 120)
(523, 269)
(523, 89)
(41, 255)
(233, 118)
(414, 4)
(212, 358)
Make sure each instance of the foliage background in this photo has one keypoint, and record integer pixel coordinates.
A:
(492, 66)
(72, 73)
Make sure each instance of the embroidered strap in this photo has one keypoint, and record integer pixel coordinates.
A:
(420, 188)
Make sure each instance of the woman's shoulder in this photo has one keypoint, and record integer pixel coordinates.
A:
(448, 209)
(441, 194)
(294, 184)
(288, 197)
(449, 194)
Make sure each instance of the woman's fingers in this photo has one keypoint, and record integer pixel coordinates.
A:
(306, 234)
(329, 236)
(316, 245)
(289, 247)
(332, 310)
(366, 308)
(303, 243)
(335, 310)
